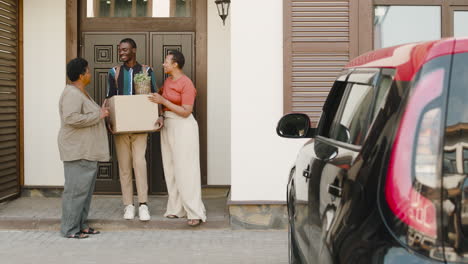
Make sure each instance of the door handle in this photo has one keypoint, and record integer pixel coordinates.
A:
(334, 190)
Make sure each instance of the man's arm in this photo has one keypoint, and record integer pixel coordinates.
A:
(111, 85)
(154, 87)
(111, 91)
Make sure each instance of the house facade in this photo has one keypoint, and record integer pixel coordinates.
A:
(271, 57)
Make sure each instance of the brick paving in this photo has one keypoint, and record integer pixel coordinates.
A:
(106, 212)
(102, 207)
(150, 246)
(29, 234)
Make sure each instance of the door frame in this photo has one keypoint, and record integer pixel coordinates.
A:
(197, 23)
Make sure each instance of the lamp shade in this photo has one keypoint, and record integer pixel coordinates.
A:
(223, 8)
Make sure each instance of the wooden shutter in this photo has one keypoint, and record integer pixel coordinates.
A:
(316, 48)
(9, 101)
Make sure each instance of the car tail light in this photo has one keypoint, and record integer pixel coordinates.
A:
(413, 179)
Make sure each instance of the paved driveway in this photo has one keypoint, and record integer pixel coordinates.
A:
(152, 246)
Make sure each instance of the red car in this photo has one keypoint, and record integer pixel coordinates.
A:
(384, 179)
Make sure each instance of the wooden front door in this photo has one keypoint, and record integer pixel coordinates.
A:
(160, 44)
(101, 51)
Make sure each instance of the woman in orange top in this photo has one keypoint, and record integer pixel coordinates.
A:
(179, 143)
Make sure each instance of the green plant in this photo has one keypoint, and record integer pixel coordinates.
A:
(141, 77)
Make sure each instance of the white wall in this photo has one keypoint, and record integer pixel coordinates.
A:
(219, 102)
(260, 159)
(44, 79)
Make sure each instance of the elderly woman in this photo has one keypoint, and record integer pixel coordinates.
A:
(82, 142)
(179, 143)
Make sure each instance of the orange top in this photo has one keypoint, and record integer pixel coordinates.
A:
(179, 92)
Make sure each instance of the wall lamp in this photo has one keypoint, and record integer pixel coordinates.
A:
(223, 9)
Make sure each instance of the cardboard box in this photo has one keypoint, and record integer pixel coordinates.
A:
(132, 114)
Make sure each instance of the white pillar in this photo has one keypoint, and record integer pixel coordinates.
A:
(260, 159)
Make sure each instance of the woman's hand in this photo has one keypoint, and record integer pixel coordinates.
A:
(109, 126)
(157, 98)
(159, 123)
(104, 110)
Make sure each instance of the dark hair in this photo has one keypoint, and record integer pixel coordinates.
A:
(178, 57)
(129, 41)
(75, 68)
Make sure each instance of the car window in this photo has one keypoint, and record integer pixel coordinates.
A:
(455, 156)
(383, 87)
(364, 76)
(331, 106)
(351, 126)
(457, 110)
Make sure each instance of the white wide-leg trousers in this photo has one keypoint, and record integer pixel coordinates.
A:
(181, 161)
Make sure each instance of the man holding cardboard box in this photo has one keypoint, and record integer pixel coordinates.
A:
(131, 147)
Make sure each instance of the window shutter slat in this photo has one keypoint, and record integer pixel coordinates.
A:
(7, 165)
(8, 35)
(8, 28)
(10, 2)
(9, 177)
(6, 138)
(8, 21)
(7, 86)
(8, 14)
(11, 63)
(8, 42)
(8, 7)
(7, 117)
(7, 69)
(7, 172)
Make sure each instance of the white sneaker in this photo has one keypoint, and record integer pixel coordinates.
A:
(143, 213)
(129, 212)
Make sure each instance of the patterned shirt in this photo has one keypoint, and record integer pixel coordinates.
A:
(125, 82)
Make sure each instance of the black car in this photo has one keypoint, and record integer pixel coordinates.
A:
(384, 177)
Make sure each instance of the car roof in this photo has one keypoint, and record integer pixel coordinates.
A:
(409, 58)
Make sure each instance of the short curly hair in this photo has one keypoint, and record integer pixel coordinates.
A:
(75, 68)
(178, 57)
(129, 41)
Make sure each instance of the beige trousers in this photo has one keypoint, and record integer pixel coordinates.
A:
(181, 161)
(131, 150)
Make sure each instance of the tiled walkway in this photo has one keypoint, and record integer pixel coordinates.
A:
(42, 213)
(152, 246)
(29, 234)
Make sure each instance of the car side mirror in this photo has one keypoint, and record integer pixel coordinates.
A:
(343, 134)
(295, 126)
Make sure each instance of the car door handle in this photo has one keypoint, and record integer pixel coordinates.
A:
(306, 172)
(334, 190)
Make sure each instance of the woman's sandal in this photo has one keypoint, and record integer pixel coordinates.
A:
(90, 231)
(78, 235)
(172, 216)
(194, 222)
